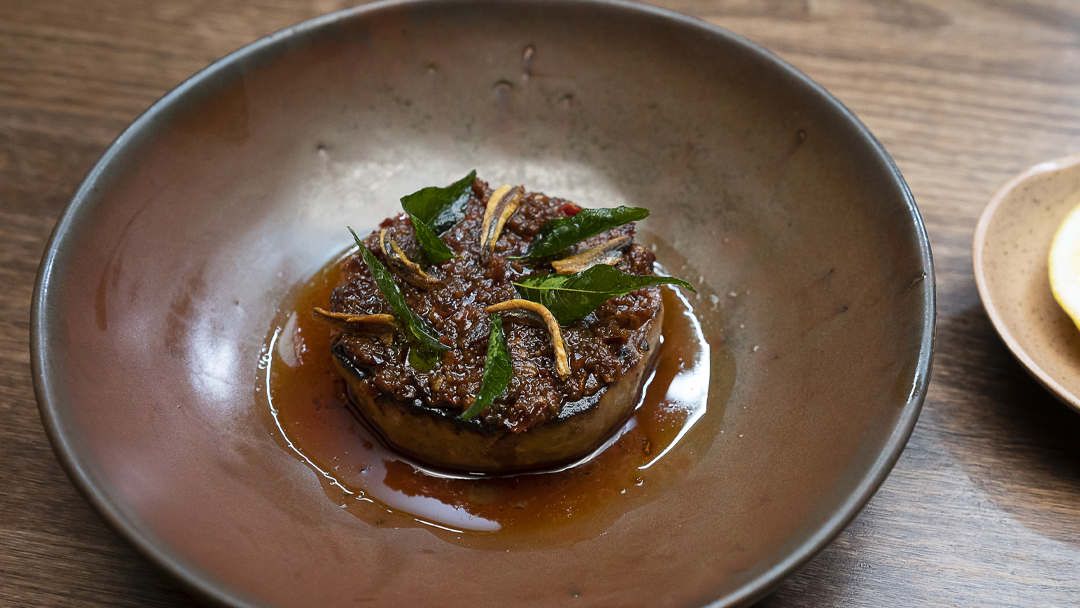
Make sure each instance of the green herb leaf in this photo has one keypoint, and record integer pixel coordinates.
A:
(435, 251)
(433, 211)
(424, 359)
(556, 235)
(416, 326)
(440, 208)
(497, 371)
(573, 296)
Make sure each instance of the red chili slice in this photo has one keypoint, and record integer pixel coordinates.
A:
(570, 209)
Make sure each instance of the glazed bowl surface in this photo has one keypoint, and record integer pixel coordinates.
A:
(165, 274)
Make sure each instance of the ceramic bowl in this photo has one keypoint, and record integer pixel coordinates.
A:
(164, 275)
(1010, 252)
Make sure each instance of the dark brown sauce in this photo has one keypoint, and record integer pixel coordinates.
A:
(671, 429)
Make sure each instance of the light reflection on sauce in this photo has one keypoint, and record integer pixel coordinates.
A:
(673, 426)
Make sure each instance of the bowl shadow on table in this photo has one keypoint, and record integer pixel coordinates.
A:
(820, 582)
(1014, 439)
(101, 567)
(147, 585)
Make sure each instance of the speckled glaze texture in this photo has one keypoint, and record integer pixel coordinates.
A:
(1010, 251)
(165, 273)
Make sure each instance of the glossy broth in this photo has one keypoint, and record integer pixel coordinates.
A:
(313, 417)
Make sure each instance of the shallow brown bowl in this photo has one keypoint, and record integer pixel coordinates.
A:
(163, 276)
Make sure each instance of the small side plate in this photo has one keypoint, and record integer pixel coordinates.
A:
(1012, 243)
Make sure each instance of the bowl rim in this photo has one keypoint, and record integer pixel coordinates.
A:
(978, 247)
(202, 583)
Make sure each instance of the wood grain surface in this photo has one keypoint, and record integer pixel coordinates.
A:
(983, 508)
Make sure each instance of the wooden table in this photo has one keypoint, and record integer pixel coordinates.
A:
(983, 509)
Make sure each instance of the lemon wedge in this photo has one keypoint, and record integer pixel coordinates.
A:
(1064, 265)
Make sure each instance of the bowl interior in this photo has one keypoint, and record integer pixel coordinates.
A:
(166, 272)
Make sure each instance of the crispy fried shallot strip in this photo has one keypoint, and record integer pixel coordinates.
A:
(502, 204)
(562, 362)
(362, 325)
(605, 253)
(405, 268)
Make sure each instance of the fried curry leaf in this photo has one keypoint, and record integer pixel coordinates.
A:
(417, 328)
(497, 371)
(435, 251)
(440, 208)
(570, 297)
(433, 211)
(424, 359)
(556, 235)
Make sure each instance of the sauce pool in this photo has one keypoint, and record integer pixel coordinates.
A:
(312, 416)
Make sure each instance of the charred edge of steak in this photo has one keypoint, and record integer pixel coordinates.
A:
(348, 362)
